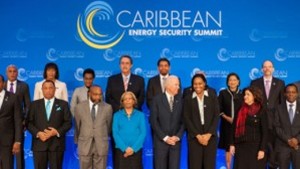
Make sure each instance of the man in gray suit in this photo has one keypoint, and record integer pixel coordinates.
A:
(81, 93)
(93, 126)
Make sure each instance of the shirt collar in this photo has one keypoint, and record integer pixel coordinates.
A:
(124, 76)
(293, 103)
(51, 100)
(194, 95)
(265, 79)
(162, 76)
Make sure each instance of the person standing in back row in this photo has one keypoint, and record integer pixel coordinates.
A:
(272, 94)
(122, 82)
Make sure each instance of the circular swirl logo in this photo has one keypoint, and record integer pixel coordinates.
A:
(223, 55)
(22, 74)
(280, 55)
(78, 74)
(255, 73)
(91, 26)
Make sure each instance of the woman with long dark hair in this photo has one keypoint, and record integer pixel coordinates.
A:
(250, 132)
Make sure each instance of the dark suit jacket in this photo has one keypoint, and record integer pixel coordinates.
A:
(22, 92)
(163, 121)
(60, 119)
(154, 88)
(115, 89)
(275, 97)
(11, 129)
(192, 116)
(284, 128)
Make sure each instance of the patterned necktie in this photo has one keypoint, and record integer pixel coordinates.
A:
(171, 103)
(11, 89)
(291, 113)
(48, 109)
(125, 83)
(267, 87)
(93, 112)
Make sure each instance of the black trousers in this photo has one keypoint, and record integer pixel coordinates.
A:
(132, 162)
(6, 157)
(43, 159)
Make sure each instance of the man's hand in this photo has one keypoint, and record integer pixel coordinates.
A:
(42, 136)
(16, 148)
(50, 132)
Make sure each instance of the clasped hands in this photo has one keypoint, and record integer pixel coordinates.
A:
(47, 133)
(203, 139)
(172, 140)
(293, 143)
(128, 152)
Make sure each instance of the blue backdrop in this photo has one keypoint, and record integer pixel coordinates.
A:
(215, 36)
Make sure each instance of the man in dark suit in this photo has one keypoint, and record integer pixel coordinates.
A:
(10, 126)
(273, 92)
(167, 125)
(156, 84)
(21, 90)
(287, 125)
(124, 81)
(49, 119)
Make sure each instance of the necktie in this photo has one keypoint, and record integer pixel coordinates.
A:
(163, 84)
(171, 103)
(48, 109)
(267, 87)
(291, 113)
(93, 112)
(11, 89)
(125, 83)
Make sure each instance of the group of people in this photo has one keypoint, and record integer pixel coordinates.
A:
(259, 125)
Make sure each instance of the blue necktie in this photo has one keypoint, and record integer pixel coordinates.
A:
(48, 109)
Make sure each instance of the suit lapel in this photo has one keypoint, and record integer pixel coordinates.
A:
(296, 115)
(131, 81)
(55, 107)
(262, 86)
(5, 100)
(88, 112)
(99, 111)
(158, 84)
(18, 88)
(120, 81)
(272, 87)
(166, 102)
(43, 108)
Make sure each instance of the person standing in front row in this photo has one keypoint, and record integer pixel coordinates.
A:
(249, 136)
(167, 125)
(51, 73)
(272, 94)
(82, 93)
(129, 133)
(11, 128)
(230, 101)
(287, 125)
(21, 90)
(49, 119)
(201, 116)
(93, 126)
(122, 82)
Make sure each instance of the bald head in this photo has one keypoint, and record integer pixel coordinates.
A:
(267, 68)
(95, 94)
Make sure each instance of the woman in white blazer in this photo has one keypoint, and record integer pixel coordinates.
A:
(51, 73)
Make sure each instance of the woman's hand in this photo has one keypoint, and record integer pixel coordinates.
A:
(260, 155)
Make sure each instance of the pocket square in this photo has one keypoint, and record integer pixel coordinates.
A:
(58, 108)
